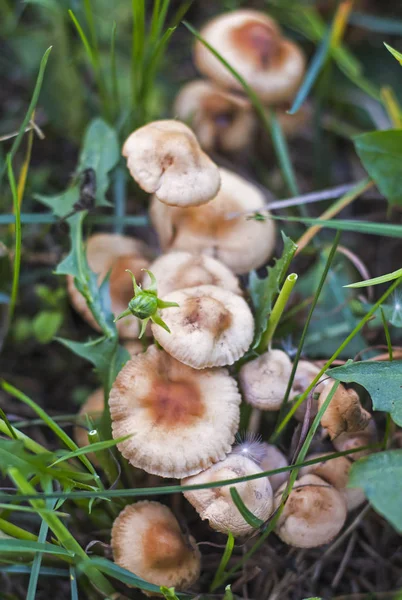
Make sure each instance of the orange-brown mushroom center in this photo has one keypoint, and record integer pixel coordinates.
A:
(164, 546)
(258, 41)
(174, 403)
(121, 284)
(207, 313)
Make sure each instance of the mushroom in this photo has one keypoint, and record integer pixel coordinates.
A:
(211, 327)
(251, 42)
(292, 124)
(344, 412)
(115, 253)
(165, 159)
(147, 540)
(216, 504)
(350, 441)
(264, 380)
(335, 471)
(266, 456)
(178, 270)
(306, 372)
(221, 121)
(313, 514)
(181, 420)
(212, 229)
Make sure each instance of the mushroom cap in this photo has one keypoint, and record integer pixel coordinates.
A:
(335, 471)
(292, 125)
(207, 230)
(344, 413)
(305, 373)
(115, 253)
(264, 380)
(251, 43)
(216, 504)
(182, 420)
(349, 441)
(273, 459)
(178, 270)
(211, 327)
(147, 540)
(313, 514)
(220, 120)
(165, 159)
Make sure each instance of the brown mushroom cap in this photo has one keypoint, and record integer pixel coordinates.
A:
(251, 43)
(178, 270)
(147, 540)
(216, 504)
(220, 120)
(305, 373)
(264, 380)
(313, 514)
(165, 158)
(335, 471)
(344, 413)
(116, 253)
(181, 420)
(211, 327)
(273, 459)
(349, 441)
(208, 230)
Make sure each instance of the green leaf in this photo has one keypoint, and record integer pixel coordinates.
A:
(220, 572)
(20, 546)
(228, 593)
(394, 53)
(263, 291)
(382, 380)
(168, 593)
(380, 476)
(13, 454)
(381, 155)
(46, 324)
(247, 515)
(97, 447)
(376, 280)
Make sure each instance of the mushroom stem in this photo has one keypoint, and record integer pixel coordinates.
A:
(255, 420)
(277, 311)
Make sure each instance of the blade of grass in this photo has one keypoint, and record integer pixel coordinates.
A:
(83, 37)
(47, 218)
(8, 424)
(18, 239)
(392, 106)
(73, 583)
(25, 167)
(20, 546)
(16, 532)
(282, 154)
(97, 447)
(247, 515)
(137, 53)
(113, 71)
(224, 562)
(376, 280)
(383, 229)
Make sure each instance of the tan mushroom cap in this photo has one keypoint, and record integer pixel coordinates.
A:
(344, 413)
(211, 327)
(179, 270)
(335, 471)
(216, 504)
(165, 159)
(116, 253)
(147, 540)
(264, 380)
(221, 120)
(251, 43)
(241, 244)
(305, 373)
(181, 420)
(293, 125)
(351, 441)
(313, 514)
(273, 459)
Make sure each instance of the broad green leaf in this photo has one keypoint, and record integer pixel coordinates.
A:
(382, 380)
(263, 291)
(394, 53)
(381, 155)
(380, 476)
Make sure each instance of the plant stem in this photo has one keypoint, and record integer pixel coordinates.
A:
(277, 311)
(104, 459)
(16, 532)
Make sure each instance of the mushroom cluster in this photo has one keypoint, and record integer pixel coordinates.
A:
(273, 66)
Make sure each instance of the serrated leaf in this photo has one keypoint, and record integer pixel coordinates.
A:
(382, 380)
(263, 291)
(381, 155)
(380, 476)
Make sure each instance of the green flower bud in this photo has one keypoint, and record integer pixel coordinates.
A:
(143, 305)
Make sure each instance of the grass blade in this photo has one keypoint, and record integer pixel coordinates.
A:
(83, 38)
(376, 280)
(20, 546)
(383, 229)
(96, 447)
(244, 511)
(73, 583)
(224, 561)
(18, 239)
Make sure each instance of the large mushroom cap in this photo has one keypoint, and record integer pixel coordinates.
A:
(251, 43)
(216, 504)
(165, 158)
(115, 253)
(178, 270)
(344, 413)
(313, 514)
(220, 120)
(147, 540)
(181, 420)
(211, 327)
(351, 441)
(264, 380)
(240, 243)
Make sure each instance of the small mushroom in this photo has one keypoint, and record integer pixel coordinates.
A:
(264, 380)
(273, 459)
(165, 159)
(147, 540)
(115, 253)
(221, 121)
(212, 230)
(251, 42)
(344, 413)
(178, 270)
(181, 420)
(313, 514)
(335, 471)
(211, 327)
(306, 372)
(216, 504)
(350, 441)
